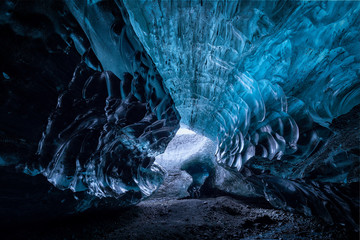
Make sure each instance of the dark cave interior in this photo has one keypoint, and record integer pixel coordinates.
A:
(179, 119)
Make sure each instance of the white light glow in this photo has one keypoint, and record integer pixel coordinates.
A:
(185, 144)
(184, 131)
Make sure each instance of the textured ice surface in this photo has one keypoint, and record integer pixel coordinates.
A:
(263, 79)
(253, 76)
(105, 130)
(104, 82)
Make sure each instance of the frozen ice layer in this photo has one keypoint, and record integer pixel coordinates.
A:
(263, 79)
(239, 72)
(102, 137)
(93, 91)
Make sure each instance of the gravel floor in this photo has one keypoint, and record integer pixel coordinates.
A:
(210, 218)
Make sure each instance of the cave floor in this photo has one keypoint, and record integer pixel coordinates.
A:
(209, 218)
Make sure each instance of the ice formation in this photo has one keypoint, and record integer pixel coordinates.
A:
(253, 76)
(106, 129)
(262, 80)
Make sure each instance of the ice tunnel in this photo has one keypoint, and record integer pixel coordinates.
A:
(93, 93)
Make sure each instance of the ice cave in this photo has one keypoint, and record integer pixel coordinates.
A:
(179, 119)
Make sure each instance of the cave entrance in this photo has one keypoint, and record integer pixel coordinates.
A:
(189, 160)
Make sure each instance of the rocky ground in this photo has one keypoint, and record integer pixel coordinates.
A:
(211, 218)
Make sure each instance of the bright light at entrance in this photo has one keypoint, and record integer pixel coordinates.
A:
(184, 131)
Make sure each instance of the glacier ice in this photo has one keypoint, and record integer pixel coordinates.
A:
(239, 72)
(261, 80)
(105, 130)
